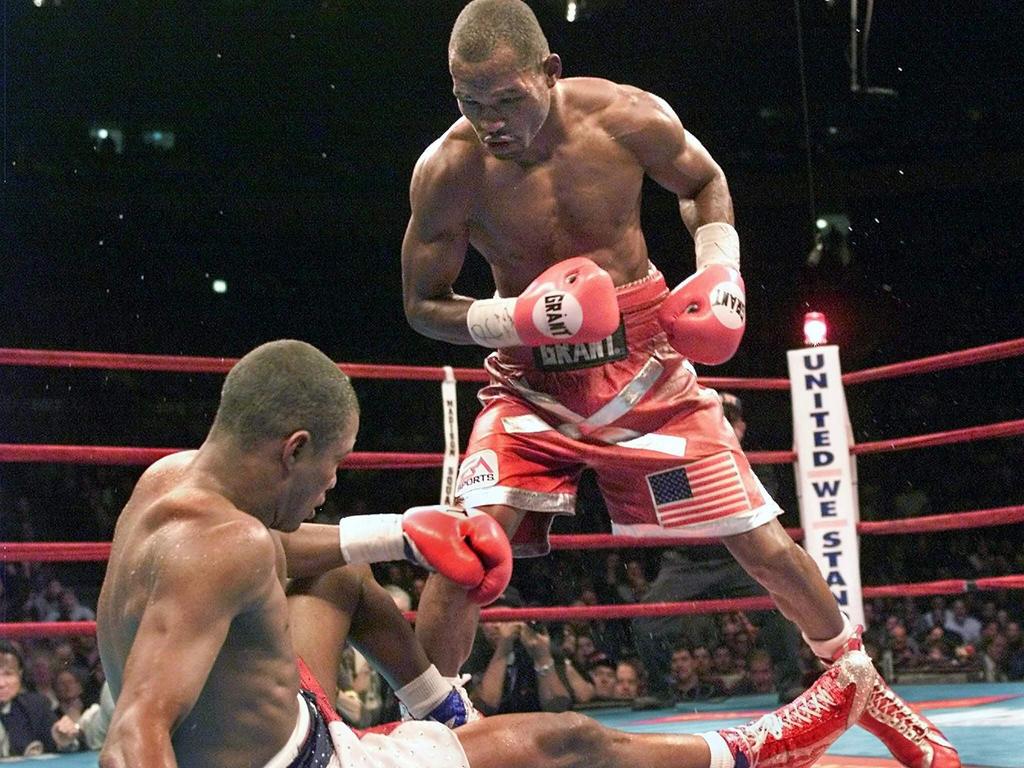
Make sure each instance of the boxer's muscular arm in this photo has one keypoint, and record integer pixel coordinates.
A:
(676, 160)
(435, 244)
(310, 550)
(197, 592)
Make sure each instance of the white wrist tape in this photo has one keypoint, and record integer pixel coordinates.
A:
(717, 243)
(490, 323)
(424, 693)
(371, 538)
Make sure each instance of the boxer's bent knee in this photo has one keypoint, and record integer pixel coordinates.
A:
(508, 517)
(339, 586)
(527, 531)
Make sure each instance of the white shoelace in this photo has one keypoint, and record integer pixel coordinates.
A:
(896, 714)
(802, 711)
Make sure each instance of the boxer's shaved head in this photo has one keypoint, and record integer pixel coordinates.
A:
(485, 25)
(280, 388)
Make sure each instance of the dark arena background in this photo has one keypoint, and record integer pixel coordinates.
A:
(193, 179)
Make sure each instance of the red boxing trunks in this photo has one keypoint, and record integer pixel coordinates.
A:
(630, 408)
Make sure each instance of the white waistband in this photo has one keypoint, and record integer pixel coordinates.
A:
(287, 754)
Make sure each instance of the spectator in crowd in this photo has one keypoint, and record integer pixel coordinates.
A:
(996, 659)
(725, 667)
(958, 620)
(45, 605)
(874, 627)
(586, 651)
(1015, 664)
(361, 691)
(759, 677)
(939, 645)
(64, 655)
(1014, 637)
(26, 718)
(630, 679)
(40, 673)
(685, 681)
(518, 673)
(602, 676)
(612, 585)
(70, 690)
(580, 686)
(905, 651)
(702, 658)
(636, 580)
(610, 636)
(90, 729)
(738, 633)
(936, 616)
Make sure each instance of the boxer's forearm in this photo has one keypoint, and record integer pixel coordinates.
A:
(443, 319)
(711, 203)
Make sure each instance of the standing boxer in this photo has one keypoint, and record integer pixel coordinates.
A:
(543, 176)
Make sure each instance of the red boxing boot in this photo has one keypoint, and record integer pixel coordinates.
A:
(799, 733)
(911, 737)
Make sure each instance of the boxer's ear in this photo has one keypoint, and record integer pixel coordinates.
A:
(295, 447)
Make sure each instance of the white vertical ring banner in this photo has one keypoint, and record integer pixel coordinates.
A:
(825, 475)
(450, 465)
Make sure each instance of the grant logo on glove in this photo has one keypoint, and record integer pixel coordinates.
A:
(729, 305)
(705, 315)
(571, 301)
(558, 315)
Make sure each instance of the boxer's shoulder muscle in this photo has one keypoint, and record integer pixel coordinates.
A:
(449, 165)
(643, 123)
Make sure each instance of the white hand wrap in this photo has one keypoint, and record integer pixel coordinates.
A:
(371, 538)
(490, 323)
(717, 243)
(424, 693)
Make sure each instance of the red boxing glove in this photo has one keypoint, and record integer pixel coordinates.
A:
(492, 546)
(705, 315)
(572, 301)
(473, 552)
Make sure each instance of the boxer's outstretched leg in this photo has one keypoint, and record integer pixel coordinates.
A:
(572, 740)
(795, 735)
(795, 583)
(445, 618)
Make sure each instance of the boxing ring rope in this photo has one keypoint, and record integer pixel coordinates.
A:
(98, 551)
(115, 361)
(569, 613)
(105, 454)
(112, 455)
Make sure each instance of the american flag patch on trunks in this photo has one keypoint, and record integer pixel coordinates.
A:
(705, 490)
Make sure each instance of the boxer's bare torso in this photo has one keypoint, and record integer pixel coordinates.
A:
(539, 170)
(185, 558)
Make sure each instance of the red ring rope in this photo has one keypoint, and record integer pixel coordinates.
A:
(597, 612)
(101, 454)
(55, 552)
(107, 454)
(985, 354)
